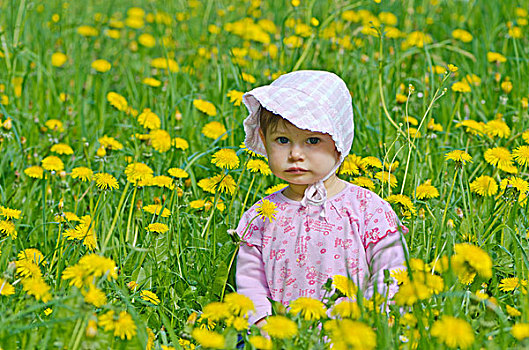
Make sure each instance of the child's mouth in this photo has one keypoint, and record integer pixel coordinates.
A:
(295, 170)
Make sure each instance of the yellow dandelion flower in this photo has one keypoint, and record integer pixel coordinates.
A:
(498, 128)
(98, 266)
(82, 173)
(149, 120)
(8, 228)
(87, 31)
(178, 173)
(9, 213)
(351, 165)
(258, 165)
(520, 331)
(349, 334)
(346, 309)
(484, 186)
(38, 288)
(76, 274)
(54, 125)
(35, 172)
(165, 63)
(454, 332)
(138, 173)
(147, 40)
(117, 101)
(473, 79)
(110, 142)
(52, 163)
(426, 190)
(406, 205)
(462, 35)
(62, 148)
(470, 259)
(309, 308)
(239, 304)
(521, 155)
(472, 127)
(496, 57)
(6, 288)
(158, 227)
(461, 86)
(208, 339)
(27, 268)
(101, 65)
(214, 130)
(275, 188)
(58, 59)
(509, 284)
(345, 286)
(386, 177)
(364, 182)
(225, 158)
(163, 181)
(180, 143)
(149, 297)
(106, 181)
(235, 97)
(280, 327)
(458, 156)
(205, 107)
(266, 210)
(160, 140)
(260, 342)
(123, 325)
(499, 157)
(156, 209)
(369, 162)
(151, 82)
(222, 183)
(513, 312)
(216, 311)
(33, 255)
(94, 296)
(412, 291)
(197, 204)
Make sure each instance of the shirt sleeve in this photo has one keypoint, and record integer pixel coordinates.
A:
(384, 244)
(250, 274)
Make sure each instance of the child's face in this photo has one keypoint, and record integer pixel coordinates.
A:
(300, 157)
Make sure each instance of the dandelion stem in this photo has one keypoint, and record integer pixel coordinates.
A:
(445, 211)
(118, 212)
(243, 207)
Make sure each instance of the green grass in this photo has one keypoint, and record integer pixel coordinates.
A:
(190, 266)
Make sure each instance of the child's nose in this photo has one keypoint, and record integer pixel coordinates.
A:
(296, 153)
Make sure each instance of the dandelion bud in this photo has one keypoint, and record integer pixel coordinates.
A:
(411, 88)
(187, 182)
(506, 86)
(62, 174)
(132, 285)
(459, 212)
(192, 318)
(497, 77)
(91, 329)
(178, 115)
(179, 192)
(101, 152)
(61, 204)
(421, 214)
(48, 190)
(8, 124)
(450, 223)
(525, 102)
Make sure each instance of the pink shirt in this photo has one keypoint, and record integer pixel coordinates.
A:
(295, 254)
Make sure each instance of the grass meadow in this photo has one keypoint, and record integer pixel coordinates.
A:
(123, 169)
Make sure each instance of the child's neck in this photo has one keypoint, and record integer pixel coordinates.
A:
(333, 185)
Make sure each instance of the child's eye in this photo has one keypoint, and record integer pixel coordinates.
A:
(282, 139)
(313, 140)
